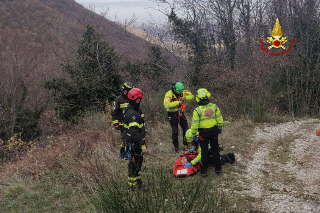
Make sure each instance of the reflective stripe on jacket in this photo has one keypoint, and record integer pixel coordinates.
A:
(171, 101)
(133, 122)
(205, 117)
(120, 104)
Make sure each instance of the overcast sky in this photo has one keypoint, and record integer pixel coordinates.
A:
(144, 11)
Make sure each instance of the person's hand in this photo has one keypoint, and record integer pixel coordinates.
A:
(117, 126)
(195, 139)
(180, 102)
(187, 165)
(182, 98)
(191, 150)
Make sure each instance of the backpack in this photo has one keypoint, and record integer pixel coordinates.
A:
(180, 171)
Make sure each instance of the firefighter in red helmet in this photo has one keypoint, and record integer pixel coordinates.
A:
(133, 122)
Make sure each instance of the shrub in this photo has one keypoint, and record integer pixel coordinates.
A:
(18, 118)
(254, 108)
(94, 78)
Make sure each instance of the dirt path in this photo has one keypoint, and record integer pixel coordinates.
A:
(283, 173)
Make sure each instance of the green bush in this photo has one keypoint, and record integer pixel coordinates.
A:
(93, 78)
(27, 124)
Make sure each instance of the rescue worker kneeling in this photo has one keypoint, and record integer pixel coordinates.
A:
(135, 137)
(226, 158)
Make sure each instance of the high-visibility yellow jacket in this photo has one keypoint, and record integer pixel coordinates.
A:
(171, 101)
(198, 158)
(189, 139)
(206, 117)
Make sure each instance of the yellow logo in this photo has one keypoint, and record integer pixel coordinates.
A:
(275, 40)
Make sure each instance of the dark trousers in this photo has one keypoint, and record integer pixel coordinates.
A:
(175, 120)
(134, 166)
(204, 139)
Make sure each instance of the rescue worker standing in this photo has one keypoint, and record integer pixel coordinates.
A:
(120, 104)
(134, 136)
(208, 121)
(173, 102)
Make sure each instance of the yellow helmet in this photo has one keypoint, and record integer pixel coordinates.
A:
(202, 94)
(189, 135)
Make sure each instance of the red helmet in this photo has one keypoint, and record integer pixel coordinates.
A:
(135, 93)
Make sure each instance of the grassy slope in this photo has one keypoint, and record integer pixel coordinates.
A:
(49, 31)
(52, 25)
(57, 178)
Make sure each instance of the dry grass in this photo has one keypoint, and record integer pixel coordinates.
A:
(90, 150)
(69, 166)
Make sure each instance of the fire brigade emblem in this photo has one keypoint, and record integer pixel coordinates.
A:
(276, 41)
(208, 113)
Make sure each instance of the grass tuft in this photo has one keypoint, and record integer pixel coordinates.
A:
(161, 193)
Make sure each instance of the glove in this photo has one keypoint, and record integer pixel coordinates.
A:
(196, 139)
(117, 126)
(191, 150)
(187, 165)
(219, 131)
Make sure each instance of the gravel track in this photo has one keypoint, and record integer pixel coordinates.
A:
(298, 189)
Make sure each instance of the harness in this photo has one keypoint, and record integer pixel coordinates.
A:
(182, 107)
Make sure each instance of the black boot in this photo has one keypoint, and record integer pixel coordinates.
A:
(203, 173)
(218, 171)
(223, 159)
(231, 157)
